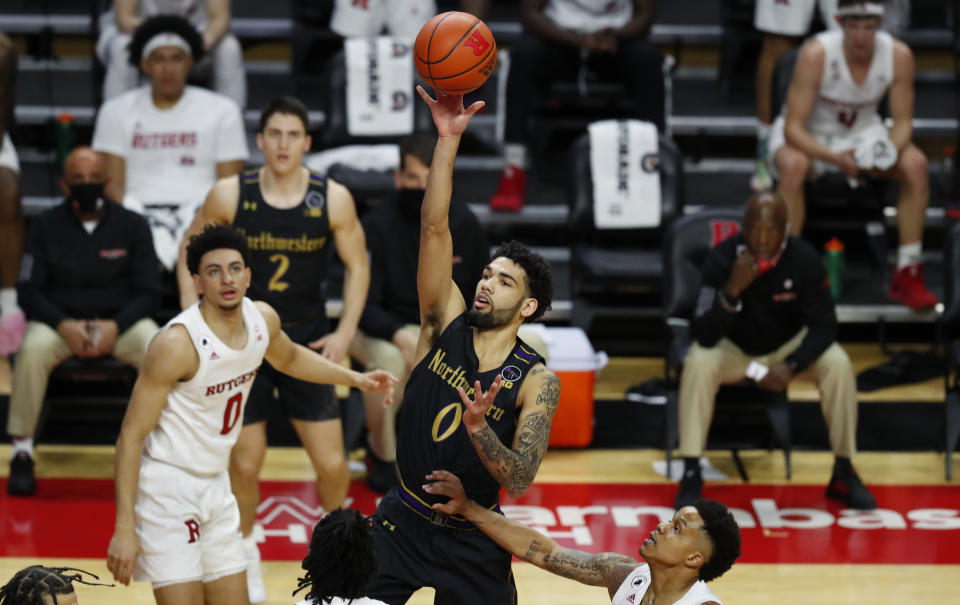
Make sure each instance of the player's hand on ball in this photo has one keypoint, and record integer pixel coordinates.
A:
(475, 410)
(448, 112)
(445, 483)
(121, 556)
(378, 381)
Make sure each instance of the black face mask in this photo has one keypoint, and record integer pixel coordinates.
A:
(409, 202)
(88, 196)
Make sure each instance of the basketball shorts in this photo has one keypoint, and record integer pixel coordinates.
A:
(792, 18)
(833, 142)
(188, 526)
(400, 18)
(8, 155)
(464, 566)
(298, 399)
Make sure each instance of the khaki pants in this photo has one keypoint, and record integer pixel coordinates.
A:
(379, 354)
(42, 350)
(705, 369)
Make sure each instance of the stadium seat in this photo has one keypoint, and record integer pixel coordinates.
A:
(614, 271)
(686, 244)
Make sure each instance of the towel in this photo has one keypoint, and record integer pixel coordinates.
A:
(379, 86)
(875, 150)
(625, 167)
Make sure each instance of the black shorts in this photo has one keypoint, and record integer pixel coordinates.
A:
(298, 399)
(464, 566)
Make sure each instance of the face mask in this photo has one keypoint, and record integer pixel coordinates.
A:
(88, 196)
(409, 202)
(763, 264)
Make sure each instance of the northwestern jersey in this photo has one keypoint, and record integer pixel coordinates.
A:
(635, 586)
(842, 106)
(202, 419)
(289, 248)
(430, 436)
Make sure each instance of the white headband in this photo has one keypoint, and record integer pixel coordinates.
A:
(863, 9)
(165, 39)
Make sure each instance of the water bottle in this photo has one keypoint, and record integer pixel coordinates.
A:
(64, 139)
(833, 259)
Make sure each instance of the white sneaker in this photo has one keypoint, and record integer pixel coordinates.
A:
(256, 589)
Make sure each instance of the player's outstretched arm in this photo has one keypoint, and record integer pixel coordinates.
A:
(440, 300)
(516, 468)
(170, 358)
(300, 362)
(605, 569)
(220, 208)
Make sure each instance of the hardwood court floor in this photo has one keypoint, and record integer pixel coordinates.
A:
(745, 584)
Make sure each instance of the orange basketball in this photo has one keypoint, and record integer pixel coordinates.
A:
(455, 53)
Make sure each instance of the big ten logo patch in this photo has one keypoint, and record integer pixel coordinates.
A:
(313, 204)
(510, 374)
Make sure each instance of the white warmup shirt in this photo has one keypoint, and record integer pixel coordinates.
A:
(635, 586)
(589, 15)
(203, 416)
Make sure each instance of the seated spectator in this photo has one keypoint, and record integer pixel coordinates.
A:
(831, 123)
(12, 322)
(562, 38)
(166, 144)
(782, 24)
(340, 560)
(400, 18)
(89, 285)
(211, 18)
(389, 326)
(39, 585)
(765, 298)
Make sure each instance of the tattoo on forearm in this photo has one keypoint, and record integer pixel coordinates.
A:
(604, 569)
(516, 469)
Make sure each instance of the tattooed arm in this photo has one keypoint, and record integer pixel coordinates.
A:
(605, 569)
(515, 468)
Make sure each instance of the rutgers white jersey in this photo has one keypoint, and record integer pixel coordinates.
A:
(589, 15)
(203, 416)
(635, 586)
(171, 156)
(339, 601)
(843, 107)
(194, 11)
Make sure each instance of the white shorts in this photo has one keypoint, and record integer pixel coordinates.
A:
(368, 18)
(188, 526)
(833, 142)
(8, 155)
(792, 18)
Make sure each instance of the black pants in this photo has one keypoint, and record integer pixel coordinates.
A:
(464, 566)
(535, 62)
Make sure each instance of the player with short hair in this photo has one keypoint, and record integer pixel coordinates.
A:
(166, 144)
(831, 123)
(697, 546)
(494, 439)
(177, 522)
(291, 217)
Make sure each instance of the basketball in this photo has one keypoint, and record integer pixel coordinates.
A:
(455, 53)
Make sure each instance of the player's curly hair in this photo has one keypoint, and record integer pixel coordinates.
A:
(162, 24)
(215, 237)
(539, 274)
(28, 586)
(724, 534)
(341, 558)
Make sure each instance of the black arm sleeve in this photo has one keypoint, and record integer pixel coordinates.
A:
(711, 319)
(34, 276)
(145, 277)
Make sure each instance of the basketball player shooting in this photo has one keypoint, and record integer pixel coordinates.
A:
(177, 522)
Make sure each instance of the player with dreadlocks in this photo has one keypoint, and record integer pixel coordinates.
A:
(32, 586)
(340, 560)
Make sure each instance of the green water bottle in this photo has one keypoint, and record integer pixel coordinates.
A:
(833, 259)
(64, 139)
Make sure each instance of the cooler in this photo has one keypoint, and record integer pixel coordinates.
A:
(573, 359)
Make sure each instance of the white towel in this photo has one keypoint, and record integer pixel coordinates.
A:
(624, 165)
(875, 150)
(380, 92)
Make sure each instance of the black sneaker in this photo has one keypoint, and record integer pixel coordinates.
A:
(21, 482)
(691, 484)
(849, 489)
(652, 392)
(381, 475)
